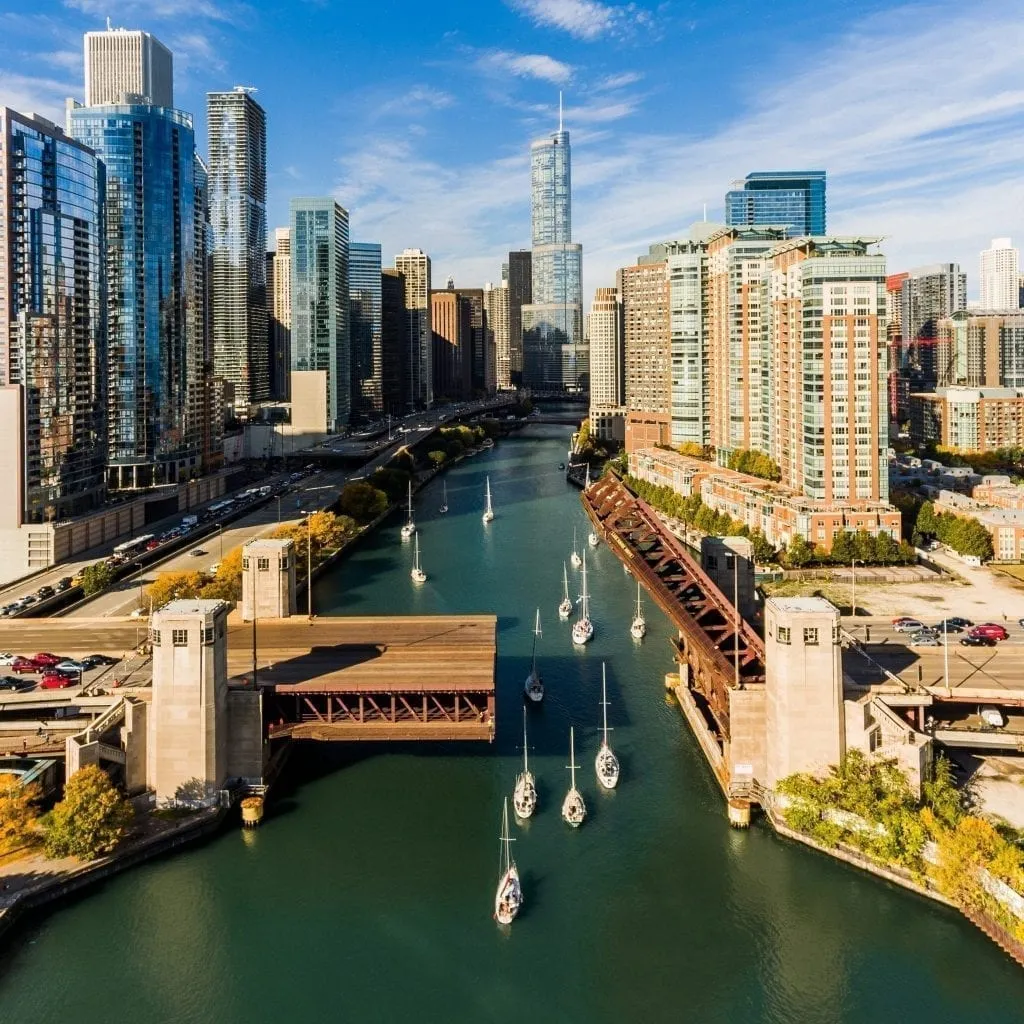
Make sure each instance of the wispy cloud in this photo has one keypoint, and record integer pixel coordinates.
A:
(415, 101)
(619, 81)
(159, 9)
(196, 51)
(69, 60)
(584, 19)
(524, 65)
(32, 94)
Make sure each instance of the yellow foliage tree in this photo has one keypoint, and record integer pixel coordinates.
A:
(227, 581)
(169, 585)
(17, 813)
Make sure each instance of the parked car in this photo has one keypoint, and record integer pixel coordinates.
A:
(959, 620)
(14, 684)
(991, 629)
(94, 660)
(56, 681)
(8, 609)
(46, 659)
(978, 641)
(992, 716)
(925, 639)
(197, 552)
(23, 665)
(947, 626)
(70, 665)
(909, 626)
(902, 618)
(7, 659)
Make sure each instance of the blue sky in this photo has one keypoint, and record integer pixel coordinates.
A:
(418, 116)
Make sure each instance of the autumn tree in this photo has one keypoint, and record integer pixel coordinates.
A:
(362, 501)
(97, 577)
(169, 585)
(17, 812)
(226, 584)
(92, 818)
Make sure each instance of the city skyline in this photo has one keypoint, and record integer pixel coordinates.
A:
(919, 172)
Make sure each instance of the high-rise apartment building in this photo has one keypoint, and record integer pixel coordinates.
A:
(899, 389)
(930, 294)
(498, 341)
(451, 319)
(154, 360)
(1000, 275)
(123, 66)
(320, 299)
(554, 353)
(279, 313)
(237, 127)
(364, 296)
(518, 272)
(481, 369)
(607, 380)
(394, 342)
(646, 340)
(794, 200)
(414, 265)
(982, 349)
(52, 331)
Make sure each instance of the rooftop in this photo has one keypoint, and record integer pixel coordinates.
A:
(803, 605)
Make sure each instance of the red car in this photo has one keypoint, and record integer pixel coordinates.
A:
(55, 681)
(46, 660)
(992, 630)
(21, 665)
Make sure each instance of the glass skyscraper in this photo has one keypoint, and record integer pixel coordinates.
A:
(554, 353)
(52, 331)
(238, 282)
(154, 337)
(364, 296)
(794, 200)
(320, 299)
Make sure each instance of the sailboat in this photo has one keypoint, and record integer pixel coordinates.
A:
(586, 482)
(417, 573)
(410, 525)
(638, 630)
(534, 686)
(508, 897)
(606, 764)
(444, 500)
(488, 509)
(583, 628)
(524, 797)
(565, 608)
(574, 810)
(592, 539)
(574, 558)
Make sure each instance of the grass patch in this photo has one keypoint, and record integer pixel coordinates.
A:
(1015, 571)
(172, 813)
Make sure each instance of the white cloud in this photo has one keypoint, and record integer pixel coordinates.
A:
(69, 60)
(584, 19)
(525, 65)
(416, 100)
(161, 9)
(619, 81)
(196, 52)
(29, 94)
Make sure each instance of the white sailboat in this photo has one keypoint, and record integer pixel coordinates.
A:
(534, 685)
(574, 558)
(524, 797)
(574, 810)
(592, 539)
(417, 573)
(508, 897)
(606, 764)
(638, 630)
(586, 482)
(444, 500)
(565, 608)
(583, 628)
(488, 508)
(409, 528)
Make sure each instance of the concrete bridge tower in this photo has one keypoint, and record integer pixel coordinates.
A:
(268, 579)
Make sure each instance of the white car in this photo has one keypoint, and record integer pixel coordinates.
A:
(992, 716)
(7, 659)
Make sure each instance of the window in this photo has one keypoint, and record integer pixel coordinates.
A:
(179, 637)
(811, 636)
(783, 634)
(154, 637)
(712, 562)
(263, 564)
(208, 635)
(245, 562)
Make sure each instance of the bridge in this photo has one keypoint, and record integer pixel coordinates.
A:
(719, 652)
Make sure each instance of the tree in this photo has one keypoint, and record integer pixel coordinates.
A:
(362, 501)
(926, 524)
(97, 577)
(437, 457)
(865, 548)
(844, 550)
(799, 553)
(693, 450)
(92, 818)
(393, 482)
(887, 551)
(763, 552)
(226, 584)
(17, 812)
(974, 539)
(169, 585)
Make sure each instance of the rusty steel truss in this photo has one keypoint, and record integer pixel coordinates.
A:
(720, 651)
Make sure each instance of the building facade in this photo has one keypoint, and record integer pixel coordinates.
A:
(414, 266)
(237, 127)
(969, 419)
(794, 200)
(982, 348)
(646, 343)
(394, 342)
(554, 352)
(607, 371)
(364, 296)
(451, 318)
(1000, 276)
(929, 295)
(496, 310)
(123, 66)
(279, 314)
(52, 323)
(320, 299)
(155, 329)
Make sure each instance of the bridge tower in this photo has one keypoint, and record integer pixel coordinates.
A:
(188, 741)
(268, 579)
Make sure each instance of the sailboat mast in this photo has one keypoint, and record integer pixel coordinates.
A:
(526, 762)
(572, 757)
(604, 705)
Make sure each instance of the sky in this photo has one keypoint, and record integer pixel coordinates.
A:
(417, 117)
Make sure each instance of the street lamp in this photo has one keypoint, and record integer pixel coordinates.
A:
(853, 585)
(309, 565)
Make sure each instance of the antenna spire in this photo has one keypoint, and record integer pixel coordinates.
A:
(705, 213)
(559, 109)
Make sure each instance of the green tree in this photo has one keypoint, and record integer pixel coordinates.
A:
(362, 502)
(437, 457)
(974, 539)
(926, 524)
(18, 814)
(799, 553)
(393, 482)
(865, 548)
(887, 551)
(764, 553)
(92, 818)
(844, 549)
(97, 577)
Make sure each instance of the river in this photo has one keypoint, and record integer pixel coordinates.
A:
(366, 895)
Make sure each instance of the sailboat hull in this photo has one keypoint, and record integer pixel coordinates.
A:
(534, 688)
(574, 810)
(582, 633)
(565, 610)
(508, 899)
(524, 797)
(638, 630)
(606, 767)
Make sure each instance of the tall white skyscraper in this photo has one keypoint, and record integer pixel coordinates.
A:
(606, 356)
(1000, 276)
(120, 63)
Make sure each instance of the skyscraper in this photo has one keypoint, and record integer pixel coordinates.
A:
(1000, 276)
(279, 308)
(481, 358)
(554, 353)
(646, 341)
(451, 321)
(238, 193)
(154, 328)
(394, 342)
(320, 299)
(794, 200)
(519, 274)
(414, 265)
(52, 329)
(606, 355)
(364, 293)
(929, 295)
(496, 308)
(123, 66)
